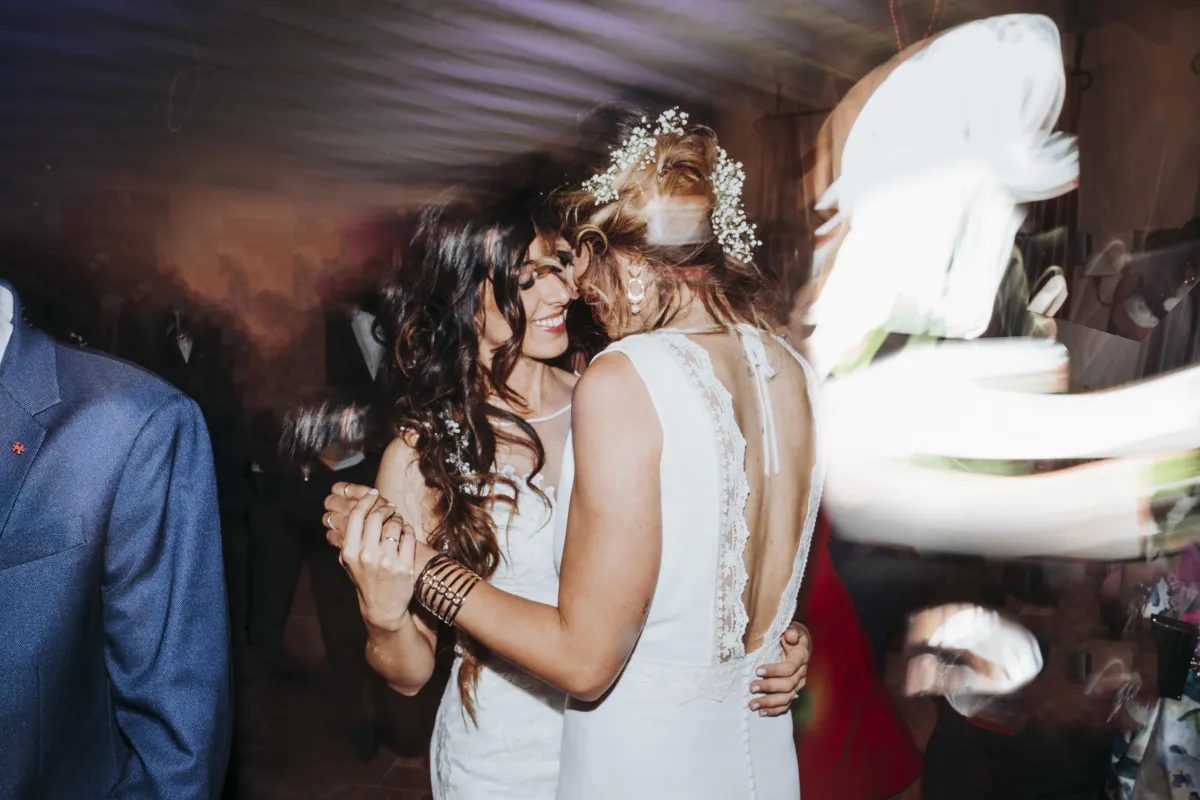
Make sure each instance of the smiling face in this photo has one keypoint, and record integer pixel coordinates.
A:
(547, 286)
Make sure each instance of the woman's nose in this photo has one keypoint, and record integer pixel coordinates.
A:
(563, 289)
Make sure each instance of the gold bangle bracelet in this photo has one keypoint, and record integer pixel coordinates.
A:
(443, 585)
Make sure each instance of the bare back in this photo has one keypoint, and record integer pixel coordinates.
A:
(778, 467)
(740, 483)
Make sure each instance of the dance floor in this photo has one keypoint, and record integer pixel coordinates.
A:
(290, 744)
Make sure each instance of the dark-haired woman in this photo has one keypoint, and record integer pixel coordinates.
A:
(480, 421)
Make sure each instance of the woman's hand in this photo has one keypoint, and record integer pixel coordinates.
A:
(779, 684)
(379, 554)
(339, 504)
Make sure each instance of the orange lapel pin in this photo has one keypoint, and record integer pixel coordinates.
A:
(18, 448)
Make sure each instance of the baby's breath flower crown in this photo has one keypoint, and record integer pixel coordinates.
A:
(638, 151)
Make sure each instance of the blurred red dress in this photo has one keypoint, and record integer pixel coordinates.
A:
(851, 741)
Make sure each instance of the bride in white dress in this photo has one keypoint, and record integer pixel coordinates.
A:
(498, 727)
(694, 484)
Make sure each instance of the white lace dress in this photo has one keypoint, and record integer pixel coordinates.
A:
(513, 752)
(677, 723)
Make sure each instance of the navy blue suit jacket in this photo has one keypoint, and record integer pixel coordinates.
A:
(114, 630)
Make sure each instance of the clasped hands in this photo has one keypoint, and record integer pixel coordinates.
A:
(384, 555)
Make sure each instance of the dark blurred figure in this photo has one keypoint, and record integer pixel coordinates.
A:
(311, 439)
(851, 741)
(199, 347)
(1050, 740)
(60, 296)
(1155, 281)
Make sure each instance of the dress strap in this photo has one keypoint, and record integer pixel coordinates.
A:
(760, 367)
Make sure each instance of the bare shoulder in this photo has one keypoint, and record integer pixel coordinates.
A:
(607, 379)
(611, 400)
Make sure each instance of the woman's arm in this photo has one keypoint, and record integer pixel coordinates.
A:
(400, 644)
(610, 567)
(613, 549)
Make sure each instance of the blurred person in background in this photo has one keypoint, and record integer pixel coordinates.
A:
(299, 453)
(1156, 281)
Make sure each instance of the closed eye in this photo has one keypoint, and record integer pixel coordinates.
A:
(533, 271)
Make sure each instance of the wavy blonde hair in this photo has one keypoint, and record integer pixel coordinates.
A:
(660, 220)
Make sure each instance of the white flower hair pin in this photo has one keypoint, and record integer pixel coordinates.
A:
(735, 233)
(457, 459)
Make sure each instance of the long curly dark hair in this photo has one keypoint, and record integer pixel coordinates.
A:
(431, 317)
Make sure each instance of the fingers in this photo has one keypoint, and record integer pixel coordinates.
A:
(773, 705)
(391, 539)
(774, 696)
(796, 655)
(785, 668)
(342, 498)
(789, 685)
(340, 504)
(336, 535)
(353, 539)
(778, 685)
(372, 538)
(350, 491)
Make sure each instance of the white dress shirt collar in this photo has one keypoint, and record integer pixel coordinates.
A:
(7, 305)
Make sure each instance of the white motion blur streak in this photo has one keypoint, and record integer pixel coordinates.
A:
(933, 175)
(989, 399)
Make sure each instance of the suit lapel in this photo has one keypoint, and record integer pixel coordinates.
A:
(20, 438)
(28, 386)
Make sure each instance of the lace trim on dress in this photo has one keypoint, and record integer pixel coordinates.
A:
(731, 617)
(441, 756)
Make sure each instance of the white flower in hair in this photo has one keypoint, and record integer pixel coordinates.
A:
(457, 460)
(735, 233)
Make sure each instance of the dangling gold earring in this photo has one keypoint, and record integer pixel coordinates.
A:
(636, 295)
